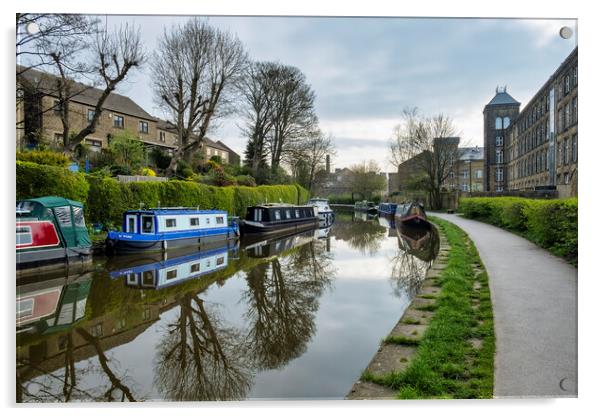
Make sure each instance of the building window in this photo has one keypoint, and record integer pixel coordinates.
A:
(478, 174)
(506, 122)
(499, 175)
(567, 116)
(574, 147)
(499, 188)
(565, 160)
(575, 75)
(499, 156)
(465, 174)
(567, 84)
(574, 110)
(118, 121)
(162, 136)
(170, 222)
(560, 119)
(566, 178)
(498, 123)
(58, 138)
(464, 187)
(57, 107)
(143, 127)
(94, 143)
(91, 115)
(499, 140)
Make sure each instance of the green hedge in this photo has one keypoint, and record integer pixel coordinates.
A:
(552, 224)
(35, 180)
(106, 199)
(44, 157)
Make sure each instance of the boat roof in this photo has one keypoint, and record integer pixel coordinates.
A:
(175, 211)
(53, 201)
(319, 199)
(277, 205)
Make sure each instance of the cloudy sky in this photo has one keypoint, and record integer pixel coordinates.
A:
(365, 71)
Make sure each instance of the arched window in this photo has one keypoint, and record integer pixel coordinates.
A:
(498, 123)
(506, 122)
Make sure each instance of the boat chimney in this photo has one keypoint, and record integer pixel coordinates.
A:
(327, 163)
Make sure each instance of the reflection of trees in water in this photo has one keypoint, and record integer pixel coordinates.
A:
(35, 384)
(282, 299)
(361, 232)
(412, 261)
(199, 357)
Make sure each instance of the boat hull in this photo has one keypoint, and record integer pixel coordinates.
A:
(326, 218)
(249, 228)
(52, 257)
(118, 242)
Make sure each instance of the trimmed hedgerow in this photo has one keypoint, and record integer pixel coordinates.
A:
(35, 180)
(44, 157)
(106, 199)
(552, 224)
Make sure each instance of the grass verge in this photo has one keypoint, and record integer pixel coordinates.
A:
(454, 357)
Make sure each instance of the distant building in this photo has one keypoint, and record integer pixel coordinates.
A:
(38, 118)
(469, 169)
(536, 147)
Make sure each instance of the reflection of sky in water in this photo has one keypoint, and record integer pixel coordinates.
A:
(353, 314)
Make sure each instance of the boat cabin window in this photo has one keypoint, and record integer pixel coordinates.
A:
(24, 308)
(297, 215)
(288, 213)
(277, 214)
(220, 260)
(148, 277)
(63, 214)
(131, 225)
(257, 215)
(132, 278)
(78, 217)
(196, 267)
(170, 222)
(148, 224)
(194, 221)
(171, 274)
(219, 220)
(24, 236)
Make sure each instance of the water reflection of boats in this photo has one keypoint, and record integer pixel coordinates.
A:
(366, 206)
(419, 241)
(387, 208)
(323, 232)
(52, 303)
(274, 246)
(166, 269)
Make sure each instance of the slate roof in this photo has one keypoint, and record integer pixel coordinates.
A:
(471, 153)
(502, 98)
(83, 94)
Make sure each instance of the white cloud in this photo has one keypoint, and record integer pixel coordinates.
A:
(547, 31)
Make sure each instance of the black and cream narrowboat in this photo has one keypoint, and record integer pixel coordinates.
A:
(279, 219)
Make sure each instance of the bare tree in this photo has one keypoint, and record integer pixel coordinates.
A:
(259, 94)
(196, 69)
(293, 116)
(67, 54)
(430, 143)
(308, 157)
(366, 179)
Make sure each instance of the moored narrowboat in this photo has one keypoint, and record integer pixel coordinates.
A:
(167, 228)
(387, 208)
(366, 206)
(325, 213)
(51, 231)
(279, 219)
(410, 213)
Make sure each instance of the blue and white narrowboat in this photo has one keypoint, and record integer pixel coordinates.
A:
(387, 208)
(176, 270)
(166, 228)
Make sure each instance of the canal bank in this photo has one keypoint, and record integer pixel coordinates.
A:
(443, 345)
(534, 296)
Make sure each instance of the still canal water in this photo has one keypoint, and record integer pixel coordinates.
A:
(293, 318)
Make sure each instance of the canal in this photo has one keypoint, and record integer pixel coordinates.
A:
(298, 317)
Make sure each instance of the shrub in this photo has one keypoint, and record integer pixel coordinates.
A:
(148, 172)
(44, 157)
(127, 150)
(34, 180)
(552, 224)
(245, 180)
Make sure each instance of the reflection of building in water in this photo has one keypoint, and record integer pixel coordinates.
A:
(173, 271)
